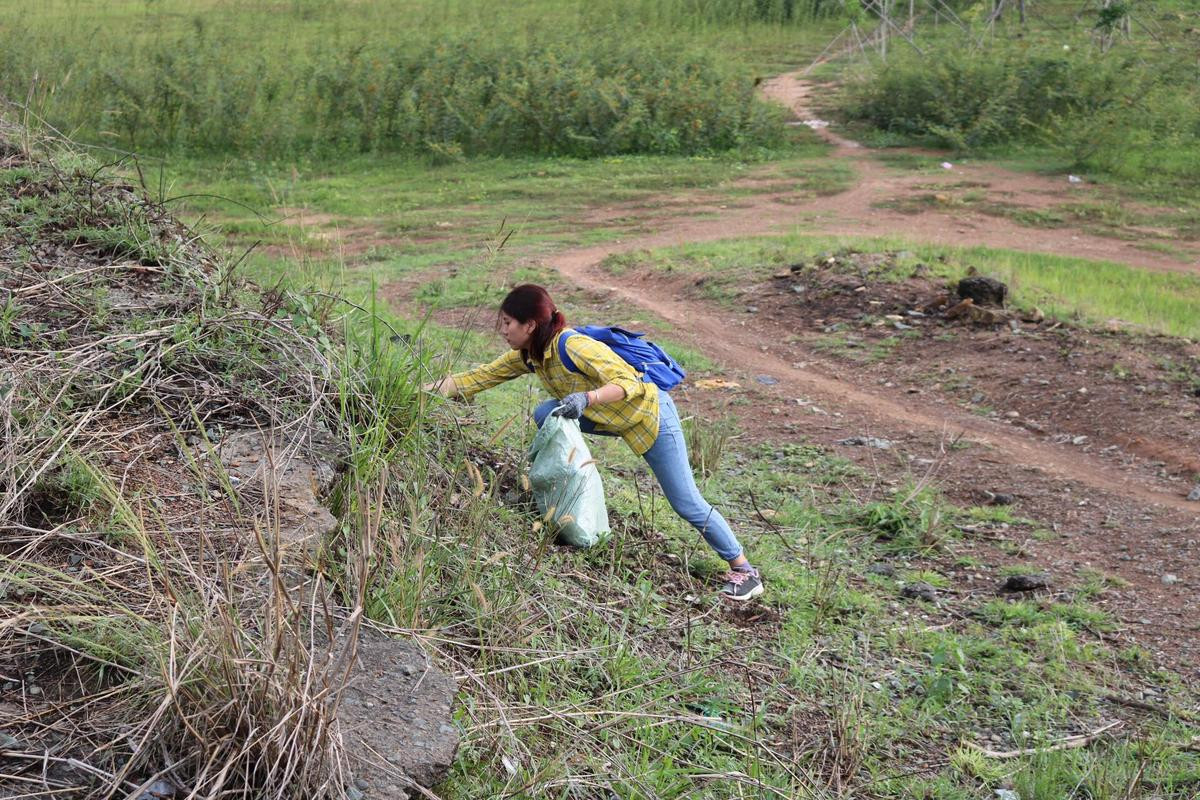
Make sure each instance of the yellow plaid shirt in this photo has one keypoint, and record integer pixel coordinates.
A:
(634, 419)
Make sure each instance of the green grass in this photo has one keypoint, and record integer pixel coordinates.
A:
(1068, 288)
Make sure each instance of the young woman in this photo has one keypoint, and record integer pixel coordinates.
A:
(609, 398)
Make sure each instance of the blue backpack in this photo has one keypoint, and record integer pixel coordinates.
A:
(644, 356)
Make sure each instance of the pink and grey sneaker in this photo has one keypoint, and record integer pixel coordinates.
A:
(742, 584)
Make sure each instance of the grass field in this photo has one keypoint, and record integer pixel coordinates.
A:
(614, 672)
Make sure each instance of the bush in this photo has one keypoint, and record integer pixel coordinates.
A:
(197, 89)
(1115, 112)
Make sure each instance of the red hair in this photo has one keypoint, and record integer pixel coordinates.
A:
(531, 302)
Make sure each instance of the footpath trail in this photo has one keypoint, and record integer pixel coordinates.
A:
(1101, 507)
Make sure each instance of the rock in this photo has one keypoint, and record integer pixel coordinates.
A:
(868, 441)
(959, 309)
(982, 291)
(261, 468)
(408, 726)
(1169, 579)
(919, 591)
(751, 309)
(999, 499)
(1007, 794)
(1026, 583)
(1194, 494)
(766, 380)
(799, 289)
(160, 790)
(881, 568)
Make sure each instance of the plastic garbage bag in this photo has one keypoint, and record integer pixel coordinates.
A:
(566, 483)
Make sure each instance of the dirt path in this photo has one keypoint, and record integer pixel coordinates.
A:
(887, 202)
(1102, 506)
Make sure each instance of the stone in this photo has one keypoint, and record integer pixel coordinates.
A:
(1194, 494)
(409, 728)
(999, 499)
(1026, 583)
(881, 568)
(160, 790)
(1169, 579)
(868, 441)
(766, 380)
(982, 290)
(919, 591)
(298, 473)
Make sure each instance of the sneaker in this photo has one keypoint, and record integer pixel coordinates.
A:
(741, 585)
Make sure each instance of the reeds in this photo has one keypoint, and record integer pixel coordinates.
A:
(447, 92)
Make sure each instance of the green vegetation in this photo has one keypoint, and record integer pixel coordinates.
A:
(1068, 84)
(611, 672)
(445, 79)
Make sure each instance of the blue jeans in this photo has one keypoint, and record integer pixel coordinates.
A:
(668, 460)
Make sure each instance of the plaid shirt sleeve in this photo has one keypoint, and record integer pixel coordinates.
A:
(505, 368)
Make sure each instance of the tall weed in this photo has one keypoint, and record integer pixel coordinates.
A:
(200, 88)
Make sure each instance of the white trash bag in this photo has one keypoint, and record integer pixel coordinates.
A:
(566, 483)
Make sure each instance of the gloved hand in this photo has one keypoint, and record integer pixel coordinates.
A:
(572, 406)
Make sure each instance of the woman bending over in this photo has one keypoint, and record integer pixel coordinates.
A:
(608, 397)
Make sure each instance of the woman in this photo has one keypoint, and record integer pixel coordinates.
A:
(609, 398)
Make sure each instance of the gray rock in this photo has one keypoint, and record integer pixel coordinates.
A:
(160, 790)
(766, 380)
(881, 568)
(1026, 583)
(409, 725)
(919, 591)
(868, 441)
(1169, 579)
(999, 499)
(298, 472)
(1194, 494)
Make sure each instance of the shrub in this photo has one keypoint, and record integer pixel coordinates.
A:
(197, 89)
(1115, 112)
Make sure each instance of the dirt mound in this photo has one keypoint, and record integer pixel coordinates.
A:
(158, 413)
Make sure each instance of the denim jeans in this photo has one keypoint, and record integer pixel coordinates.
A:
(668, 460)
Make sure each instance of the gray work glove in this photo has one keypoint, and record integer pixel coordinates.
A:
(572, 406)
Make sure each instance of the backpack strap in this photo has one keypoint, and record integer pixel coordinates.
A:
(562, 350)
